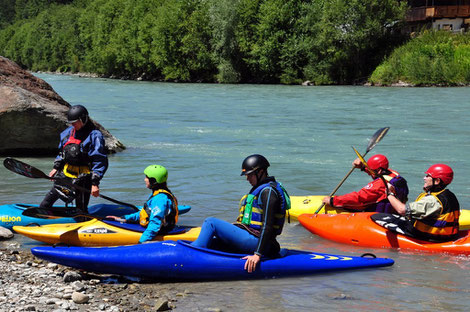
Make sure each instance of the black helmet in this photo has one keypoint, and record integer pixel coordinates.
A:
(253, 163)
(77, 112)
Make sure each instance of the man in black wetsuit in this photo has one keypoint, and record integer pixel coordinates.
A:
(261, 219)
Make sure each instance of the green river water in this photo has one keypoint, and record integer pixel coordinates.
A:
(202, 132)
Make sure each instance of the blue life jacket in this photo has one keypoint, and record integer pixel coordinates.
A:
(251, 212)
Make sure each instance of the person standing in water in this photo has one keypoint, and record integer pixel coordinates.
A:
(82, 160)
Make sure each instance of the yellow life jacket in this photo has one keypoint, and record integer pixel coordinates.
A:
(445, 224)
(73, 171)
(170, 219)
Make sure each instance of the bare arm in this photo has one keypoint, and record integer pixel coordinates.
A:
(397, 204)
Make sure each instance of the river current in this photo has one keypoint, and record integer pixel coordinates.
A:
(202, 133)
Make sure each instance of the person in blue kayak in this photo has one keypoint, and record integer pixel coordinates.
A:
(372, 197)
(160, 212)
(261, 218)
(82, 160)
(434, 216)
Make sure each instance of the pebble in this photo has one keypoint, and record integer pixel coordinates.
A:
(67, 296)
(5, 233)
(35, 285)
(52, 266)
(72, 276)
(78, 286)
(79, 297)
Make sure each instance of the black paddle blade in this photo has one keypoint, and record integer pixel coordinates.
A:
(29, 171)
(52, 212)
(23, 169)
(376, 138)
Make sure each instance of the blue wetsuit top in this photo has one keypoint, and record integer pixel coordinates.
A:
(160, 206)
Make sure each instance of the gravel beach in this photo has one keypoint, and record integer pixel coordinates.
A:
(31, 284)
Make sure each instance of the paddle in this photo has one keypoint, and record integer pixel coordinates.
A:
(378, 135)
(29, 171)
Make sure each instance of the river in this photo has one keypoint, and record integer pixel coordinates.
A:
(202, 132)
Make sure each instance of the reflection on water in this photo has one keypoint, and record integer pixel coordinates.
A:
(201, 133)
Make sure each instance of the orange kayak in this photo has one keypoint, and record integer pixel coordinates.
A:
(358, 229)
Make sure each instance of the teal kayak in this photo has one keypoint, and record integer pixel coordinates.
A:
(17, 214)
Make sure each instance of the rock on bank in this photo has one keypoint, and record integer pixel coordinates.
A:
(31, 284)
(32, 115)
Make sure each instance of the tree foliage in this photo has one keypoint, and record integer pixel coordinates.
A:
(261, 41)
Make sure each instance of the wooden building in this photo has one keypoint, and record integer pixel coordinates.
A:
(452, 15)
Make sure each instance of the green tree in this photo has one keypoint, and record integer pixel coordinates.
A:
(347, 39)
(7, 12)
(261, 41)
(224, 19)
(181, 41)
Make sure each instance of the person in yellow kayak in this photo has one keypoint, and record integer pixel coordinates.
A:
(372, 197)
(434, 216)
(261, 219)
(82, 160)
(160, 212)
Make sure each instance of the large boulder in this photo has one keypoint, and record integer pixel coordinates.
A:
(32, 115)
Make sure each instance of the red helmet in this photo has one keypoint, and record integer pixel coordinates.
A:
(442, 172)
(378, 161)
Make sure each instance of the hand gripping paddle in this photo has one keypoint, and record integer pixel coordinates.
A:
(378, 135)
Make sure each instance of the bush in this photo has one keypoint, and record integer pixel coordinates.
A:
(433, 58)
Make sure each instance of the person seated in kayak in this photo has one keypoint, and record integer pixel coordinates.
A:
(160, 212)
(82, 161)
(434, 216)
(372, 197)
(261, 218)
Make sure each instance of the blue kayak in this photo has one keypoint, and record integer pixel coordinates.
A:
(169, 261)
(17, 214)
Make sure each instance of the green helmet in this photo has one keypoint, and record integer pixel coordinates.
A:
(157, 172)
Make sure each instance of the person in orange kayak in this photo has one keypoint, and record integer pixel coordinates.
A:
(160, 212)
(434, 216)
(372, 197)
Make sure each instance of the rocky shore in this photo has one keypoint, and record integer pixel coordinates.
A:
(31, 284)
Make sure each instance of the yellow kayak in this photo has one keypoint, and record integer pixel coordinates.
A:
(99, 233)
(309, 204)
